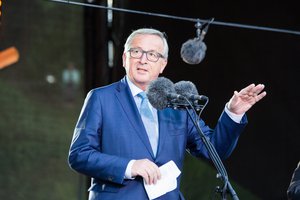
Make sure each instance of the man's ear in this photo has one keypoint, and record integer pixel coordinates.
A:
(163, 65)
(124, 59)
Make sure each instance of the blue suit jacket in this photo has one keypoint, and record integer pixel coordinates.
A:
(110, 132)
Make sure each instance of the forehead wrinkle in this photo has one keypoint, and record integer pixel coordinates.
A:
(146, 43)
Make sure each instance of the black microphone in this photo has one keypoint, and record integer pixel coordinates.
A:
(193, 51)
(188, 90)
(161, 92)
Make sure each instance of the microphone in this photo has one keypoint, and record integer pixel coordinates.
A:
(161, 92)
(188, 90)
(193, 51)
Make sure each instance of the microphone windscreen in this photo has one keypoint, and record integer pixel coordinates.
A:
(185, 88)
(158, 90)
(193, 51)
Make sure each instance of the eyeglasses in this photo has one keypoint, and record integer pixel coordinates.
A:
(150, 55)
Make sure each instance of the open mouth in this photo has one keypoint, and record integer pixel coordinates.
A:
(142, 70)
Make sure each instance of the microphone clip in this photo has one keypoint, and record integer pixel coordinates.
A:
(176, 105)
(202, 28)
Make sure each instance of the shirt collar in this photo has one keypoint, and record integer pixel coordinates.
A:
(133, 88)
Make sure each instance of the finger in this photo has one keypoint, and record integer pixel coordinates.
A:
(153, 173)
(148, 170)
(260, 96)
(257, 89)
(145, 176)
(236, 93)
(253, 91)
(140, 167)
(235, 96)
(150, 176)
(157, 175)
(247, 89)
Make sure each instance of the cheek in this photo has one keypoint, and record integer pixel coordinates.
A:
(156, 72)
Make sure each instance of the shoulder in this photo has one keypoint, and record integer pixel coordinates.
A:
(116, 86)
(108, 90)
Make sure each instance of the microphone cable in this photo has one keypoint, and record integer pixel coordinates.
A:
(219, 23)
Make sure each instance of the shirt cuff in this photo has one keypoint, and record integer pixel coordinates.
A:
(128, 170)
(235, 117)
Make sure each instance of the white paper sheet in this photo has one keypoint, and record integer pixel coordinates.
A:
(168, 182)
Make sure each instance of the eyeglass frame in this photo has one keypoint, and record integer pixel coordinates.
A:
(159, 55)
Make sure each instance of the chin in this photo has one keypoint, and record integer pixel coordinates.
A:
(142, 78)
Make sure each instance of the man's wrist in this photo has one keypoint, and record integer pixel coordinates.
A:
(128, 170)
(235, 117)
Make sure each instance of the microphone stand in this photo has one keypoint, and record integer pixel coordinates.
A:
(222, 174)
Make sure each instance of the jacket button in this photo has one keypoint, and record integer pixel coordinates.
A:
(103, 186)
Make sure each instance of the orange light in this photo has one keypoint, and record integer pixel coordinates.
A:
(8, 56)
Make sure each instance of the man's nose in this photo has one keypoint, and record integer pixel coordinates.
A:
(144, 58)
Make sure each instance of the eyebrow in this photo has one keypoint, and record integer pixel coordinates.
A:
(145, 50)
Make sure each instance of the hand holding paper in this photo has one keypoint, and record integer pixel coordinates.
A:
(167, 183)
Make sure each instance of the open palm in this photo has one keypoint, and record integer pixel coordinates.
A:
(243, 100)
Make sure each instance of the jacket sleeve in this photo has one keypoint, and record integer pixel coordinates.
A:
(224, 136)
(85, 154)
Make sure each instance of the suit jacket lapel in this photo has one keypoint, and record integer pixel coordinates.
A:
(163, 129)
(125, 98)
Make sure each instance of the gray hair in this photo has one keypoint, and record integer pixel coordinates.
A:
(148, 31)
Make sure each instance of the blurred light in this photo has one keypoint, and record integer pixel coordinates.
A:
(8, 56)
(0, 10)
(50, 79)
(110, 53)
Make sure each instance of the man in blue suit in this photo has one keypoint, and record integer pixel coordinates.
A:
(110, 141)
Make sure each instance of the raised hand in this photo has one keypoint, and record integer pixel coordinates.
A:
(243, 100)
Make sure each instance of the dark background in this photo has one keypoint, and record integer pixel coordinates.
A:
(268, 150)
(36, 122)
